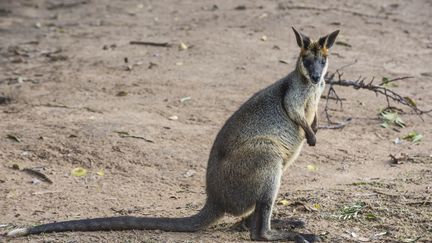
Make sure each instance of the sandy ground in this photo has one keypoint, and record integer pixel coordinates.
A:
(69, 91)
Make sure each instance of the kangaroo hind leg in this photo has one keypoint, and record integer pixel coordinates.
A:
(260, 223)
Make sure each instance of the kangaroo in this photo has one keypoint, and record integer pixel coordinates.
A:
(250, 153)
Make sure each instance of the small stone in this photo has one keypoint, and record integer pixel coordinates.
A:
(173, 118)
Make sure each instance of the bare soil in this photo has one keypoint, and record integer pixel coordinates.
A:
(68, 92)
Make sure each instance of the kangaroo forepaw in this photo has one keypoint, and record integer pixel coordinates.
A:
(311, 140)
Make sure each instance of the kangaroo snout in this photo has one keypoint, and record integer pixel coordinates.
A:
(315, 77)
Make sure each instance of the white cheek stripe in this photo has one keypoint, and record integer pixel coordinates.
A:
(324, 71)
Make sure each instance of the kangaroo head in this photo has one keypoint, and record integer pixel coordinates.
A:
(313, 61)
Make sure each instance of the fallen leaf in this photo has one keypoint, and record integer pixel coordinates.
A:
(124, 134)
(312, 167)
(371, 216)
(122, 93)
(100, 173)
(316, 206)
(343, 43)
(386, 82)
(381, 233)
(411, 240)
(79, 171)
(14, 137)
(413, 137)
(185, 99)
(410, 101)
(183, 46)
(391, 117)
(283, 202)
(384, 125)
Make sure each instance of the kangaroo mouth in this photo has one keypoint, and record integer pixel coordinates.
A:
(315, 80)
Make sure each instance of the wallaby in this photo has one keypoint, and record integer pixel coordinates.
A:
(250, 153)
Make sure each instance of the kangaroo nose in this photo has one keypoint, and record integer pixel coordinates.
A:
(315, 77)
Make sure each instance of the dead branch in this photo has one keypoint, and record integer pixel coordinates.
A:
(151, 43)
(341, 10)
(361, 83)
(89, 109)
(66, 4)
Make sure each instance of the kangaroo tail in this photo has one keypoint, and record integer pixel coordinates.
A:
(208, 215)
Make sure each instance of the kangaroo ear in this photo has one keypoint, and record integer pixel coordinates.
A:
(302, 40)
(328, 40)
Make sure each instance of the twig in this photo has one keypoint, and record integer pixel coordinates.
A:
(384, 193)
(302, 7)
(124, 134)
(69, 4)
(421, 203)
(331, 97)
(151, 43)
(38, 174)
(339, 125)
(89, 109)
(389, 94)
(395, 79)
(45, 192)
(335, 78)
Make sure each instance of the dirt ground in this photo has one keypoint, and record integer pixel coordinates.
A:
(72, 86)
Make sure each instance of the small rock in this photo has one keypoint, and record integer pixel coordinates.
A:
(173, 118)
(35, 181)
(189, 173)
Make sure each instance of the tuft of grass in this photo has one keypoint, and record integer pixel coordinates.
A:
(391, 118)
(351, 211)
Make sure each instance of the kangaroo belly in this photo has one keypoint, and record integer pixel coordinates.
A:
(288, 160)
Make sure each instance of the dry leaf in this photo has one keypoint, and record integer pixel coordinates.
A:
(311, 167)
(414, 137)
(79, 171)
(283, 202)
(183, 46)
(122, 93)
(13, 137)
(410, 101)
(185, 99)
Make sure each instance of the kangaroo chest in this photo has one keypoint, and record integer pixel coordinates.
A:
(311, 105)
